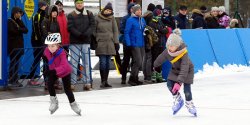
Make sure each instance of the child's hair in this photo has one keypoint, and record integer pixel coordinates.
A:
(175, 38)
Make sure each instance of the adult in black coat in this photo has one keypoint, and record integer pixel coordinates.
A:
(198, 20)
(16, 29)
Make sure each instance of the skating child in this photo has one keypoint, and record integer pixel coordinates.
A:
(182, 72)
(58, 68)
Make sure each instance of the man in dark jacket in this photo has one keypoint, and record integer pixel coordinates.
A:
(126, 51)
(16, 29)
(181, 18)
(81, 25)
(36, 37)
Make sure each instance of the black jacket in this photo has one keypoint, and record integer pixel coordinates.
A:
(81, 26)
(198, 21)
(16, 29)
(36, 37)
(182, 21)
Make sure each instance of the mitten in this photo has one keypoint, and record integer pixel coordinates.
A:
(176, 87)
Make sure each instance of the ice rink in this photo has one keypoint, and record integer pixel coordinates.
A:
(220, 100)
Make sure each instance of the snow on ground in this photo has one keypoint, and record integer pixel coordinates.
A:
(220, 99)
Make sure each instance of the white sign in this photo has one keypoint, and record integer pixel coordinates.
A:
(145, 4)
(1, 40)
(119, 7)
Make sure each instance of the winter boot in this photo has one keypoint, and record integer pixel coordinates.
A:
(75, 107)
(191, 108)
(106, 75)
(178, 103)
(53, 104)
(132, 81)
(153, 78)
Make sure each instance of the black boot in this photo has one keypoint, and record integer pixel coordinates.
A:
(106, 74)
(132, 81)
(102, 79)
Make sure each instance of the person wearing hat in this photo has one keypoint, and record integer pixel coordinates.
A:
(181, 73)
(224, 19)
(212, 18)
(107, 41)
(127, 55)
(198, 20)
(167, 18)
(81, 25)
(181, 18)
(135, 40)
(16, 29)
(36, 40)
(62, 21)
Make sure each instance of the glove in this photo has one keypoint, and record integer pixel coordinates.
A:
(176, 87)
(157, 69)
(117, 46)
(52, 73)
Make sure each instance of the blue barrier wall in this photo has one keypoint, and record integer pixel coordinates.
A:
(223, 46)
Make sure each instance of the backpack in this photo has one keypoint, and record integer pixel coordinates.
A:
(151, 35)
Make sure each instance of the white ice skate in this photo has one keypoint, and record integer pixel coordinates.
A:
(178, 103)
(191, 108)
(75, 107)
(53, 104)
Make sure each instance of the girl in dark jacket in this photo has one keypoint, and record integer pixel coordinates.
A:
(16, 29)
(182, 71)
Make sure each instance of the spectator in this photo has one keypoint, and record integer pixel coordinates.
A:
(81, 24)
(203, 10)
(62, 21)
(37, 41)
(127, 54)
(134, 38)
(224, 19)
(212, 19)
(107, 37)
(151, 7)
(16, 29)
(50, 25)
(234, 23)
(181, 18)
(158, 7)
(198, 20)
(167, 18)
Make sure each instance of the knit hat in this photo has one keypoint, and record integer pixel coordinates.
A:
(222, 8)
(151, 7)
(157, 12)
(214, 9)
(175, 38)
(183, 7)
(130, 5)
(158, 7)
(136, 8)
(41, 4)
(203, 9)
(78, 1)
(108, 6)
(58, 2)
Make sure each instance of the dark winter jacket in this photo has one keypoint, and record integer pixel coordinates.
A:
(62, 21)
(134, 31)
(169, 21)
(182, 21)
(16, 29)
(212, 22)
(198, 20)
(36, 37)
(81, 26)
(106, 35)
(182, 71)
(50, 25)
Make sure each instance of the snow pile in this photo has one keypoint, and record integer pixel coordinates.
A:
(216, 70)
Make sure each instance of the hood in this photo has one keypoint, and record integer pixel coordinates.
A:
(129, 7)
(52, 8)
(15, 10)
(196, 13)
(105, 18)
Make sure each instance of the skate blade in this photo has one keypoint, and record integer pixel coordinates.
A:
(175, 112)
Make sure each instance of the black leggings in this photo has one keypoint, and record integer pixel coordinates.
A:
(66, 86)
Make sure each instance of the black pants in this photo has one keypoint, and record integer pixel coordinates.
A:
(66, 86)
(14, 66)
(38, 54)
(125, 63)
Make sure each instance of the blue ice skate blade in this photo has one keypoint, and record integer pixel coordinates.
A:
(175, 112)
